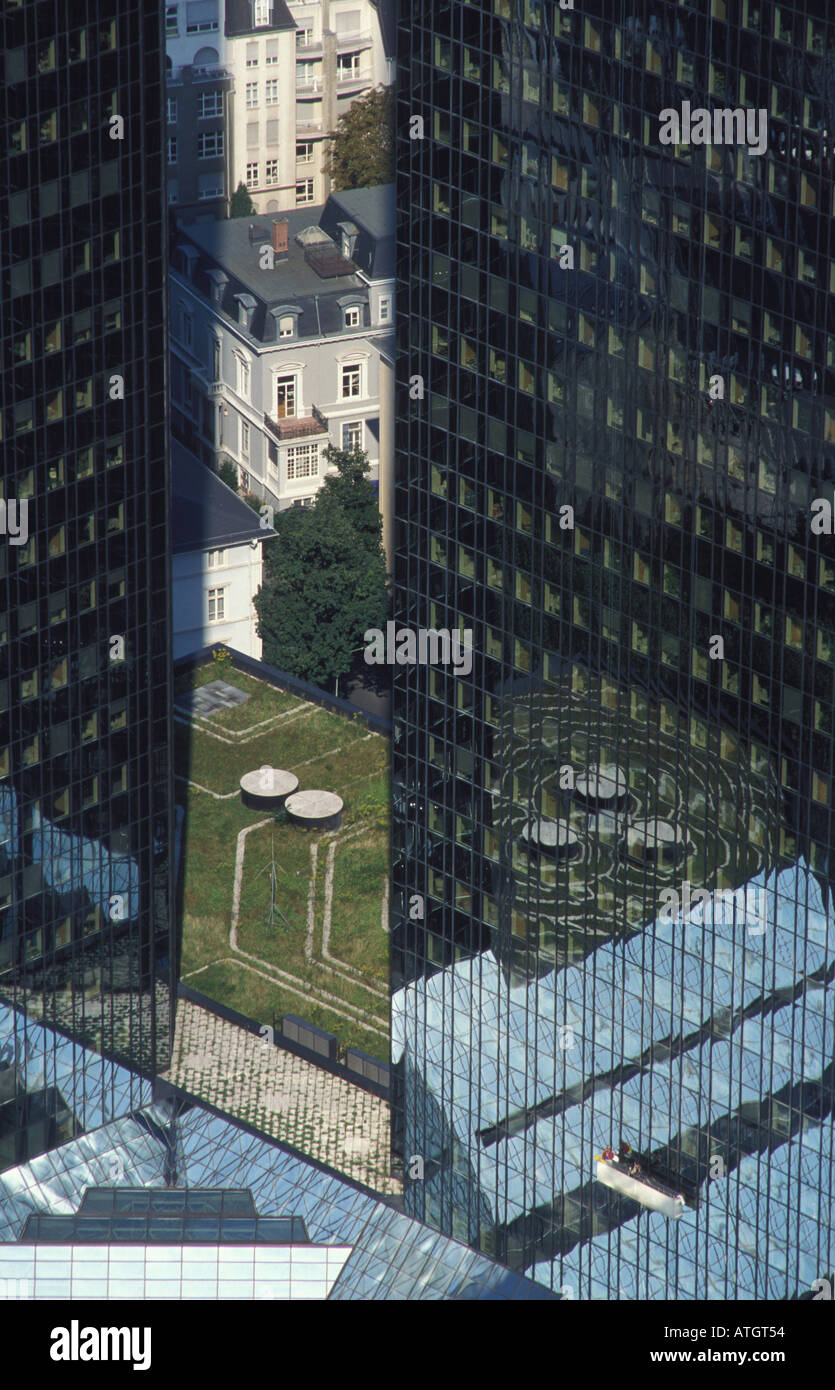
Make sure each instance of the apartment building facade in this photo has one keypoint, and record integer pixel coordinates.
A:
(272, 365)
(255, 88)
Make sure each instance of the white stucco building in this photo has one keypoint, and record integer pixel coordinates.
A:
(277, 326)
(255, 87)
(217, 562)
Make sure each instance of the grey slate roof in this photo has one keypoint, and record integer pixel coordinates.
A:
(208, 515)
(232, 247)
(373, 212)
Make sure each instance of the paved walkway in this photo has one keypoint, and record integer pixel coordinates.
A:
(295, 1101)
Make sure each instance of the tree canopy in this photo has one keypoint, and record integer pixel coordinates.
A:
(241, 205)
(228, 473)
(324, 576)
(361, 150)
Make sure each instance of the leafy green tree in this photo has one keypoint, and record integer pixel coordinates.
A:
(241, 205)
(228, 474)
(361, 150)
(324, 576)
(350, 489)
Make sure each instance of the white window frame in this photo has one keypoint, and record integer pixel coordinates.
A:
(251, 55)
(271, 173)
(217, 605)
(307, 157)
(352, 72)
(251, 179)
(304, 192)
(355, 427)
(386, 302)
(271, 92)
(216, 100)
(261, 15)
(292, 383)
(251, 96)
(204, 26)
(271, 57)
(243, 377)
(172, 20)
(359, 369)
(216, 559)
(287, 326)
(353, 316)
(302, 461)
(203, 150)
(170, 110)
(245, 432)
(171, 149)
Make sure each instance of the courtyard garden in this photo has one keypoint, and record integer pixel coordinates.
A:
(278, 919)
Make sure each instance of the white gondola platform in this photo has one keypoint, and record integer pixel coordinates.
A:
(640, 1189)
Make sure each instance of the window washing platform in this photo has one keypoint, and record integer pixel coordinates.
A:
(642, 1187)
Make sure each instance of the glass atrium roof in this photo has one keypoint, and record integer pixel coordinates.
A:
(390, 1255)
(706, 1024)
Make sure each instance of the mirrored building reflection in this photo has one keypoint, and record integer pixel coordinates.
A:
(86, 820)
(613, 941)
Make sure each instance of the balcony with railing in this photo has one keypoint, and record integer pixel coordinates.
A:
(297, 426)
(357, 38)
(308, 87)
(176, 77)
(352, 77)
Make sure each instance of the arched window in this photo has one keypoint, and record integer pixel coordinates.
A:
(205, 58)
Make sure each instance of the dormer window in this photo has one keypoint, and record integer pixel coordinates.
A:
(261, 15)
(286, 320)
(246, 309)
(347, 239)
(353, 311)
(189, 256)
(217, 284)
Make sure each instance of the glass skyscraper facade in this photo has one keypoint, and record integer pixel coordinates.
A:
(612, 850)
(86, 805)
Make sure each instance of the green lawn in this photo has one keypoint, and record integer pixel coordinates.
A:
(238, 988)
(357, 935)
(325, 751)
(265, 702)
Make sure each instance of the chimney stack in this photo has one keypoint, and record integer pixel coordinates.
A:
(280, 236)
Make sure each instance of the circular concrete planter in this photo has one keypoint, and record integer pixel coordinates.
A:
(553, 837)
(315, 810)
(603, 786)
(653, 842)
(267, 788)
